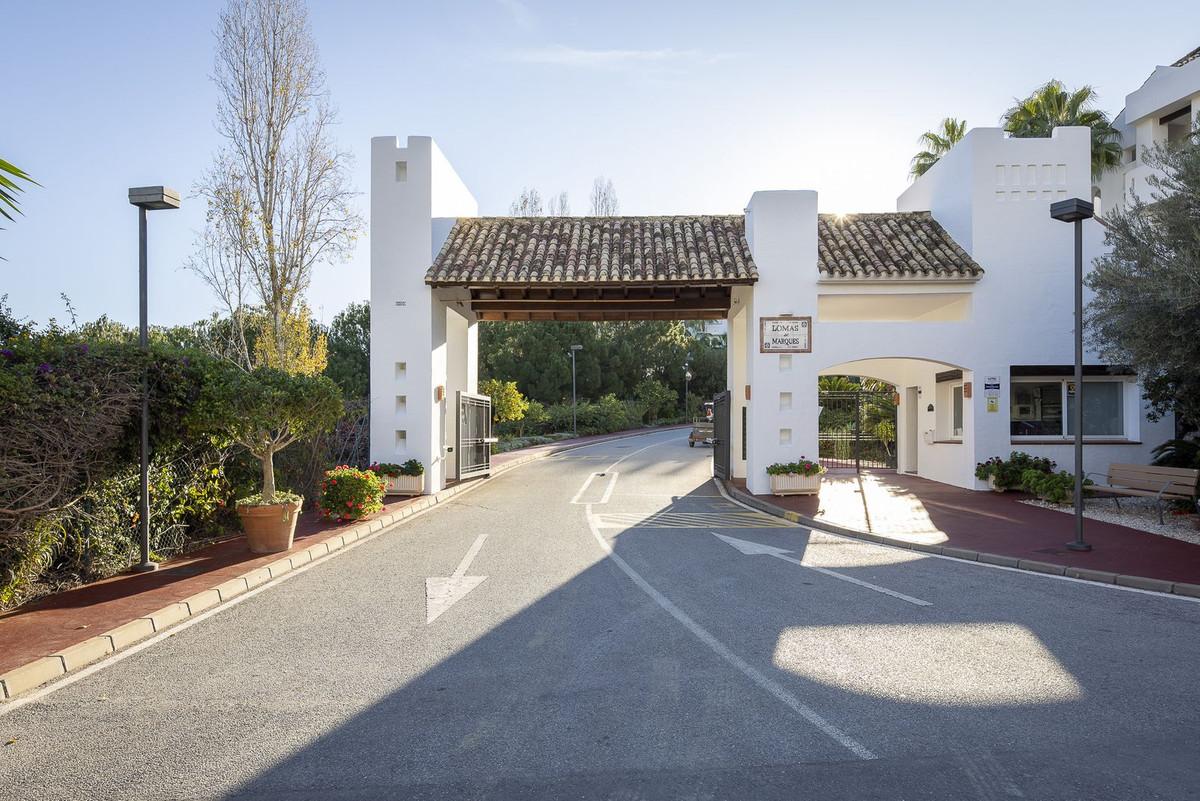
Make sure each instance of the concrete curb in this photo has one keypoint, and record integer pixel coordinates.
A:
(34, 674)
(1033, 566)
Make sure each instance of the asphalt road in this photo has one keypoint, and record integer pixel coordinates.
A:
(619, 649)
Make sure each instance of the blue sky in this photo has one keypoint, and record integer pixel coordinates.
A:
(687, 107)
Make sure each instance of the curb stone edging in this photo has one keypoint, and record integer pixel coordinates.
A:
(1030, 565)
(45, 669)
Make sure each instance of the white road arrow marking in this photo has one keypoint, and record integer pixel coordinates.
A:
(758, 549)
(443, 592)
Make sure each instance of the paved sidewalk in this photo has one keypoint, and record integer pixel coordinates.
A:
(916, 510)
(56, 622)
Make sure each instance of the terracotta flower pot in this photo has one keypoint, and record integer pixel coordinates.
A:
(270, 529)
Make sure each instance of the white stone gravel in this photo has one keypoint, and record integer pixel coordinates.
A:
(1139, 513)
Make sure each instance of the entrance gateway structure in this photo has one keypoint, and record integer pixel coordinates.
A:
(961, 299)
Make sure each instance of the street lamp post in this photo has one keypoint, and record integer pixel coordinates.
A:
(1076, 210)
(574, 418)
(687, 380)
(146, 198)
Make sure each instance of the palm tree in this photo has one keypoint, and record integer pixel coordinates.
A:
(937, 144)
(1052, 105)
(9, 175)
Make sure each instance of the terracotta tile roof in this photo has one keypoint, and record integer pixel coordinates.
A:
(595, 250)
(484, 251)
(1190, 57)
(894, 245)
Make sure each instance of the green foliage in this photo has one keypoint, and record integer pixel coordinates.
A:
(1051, 106)
(280, 496)
(1177, 453)
(1010, 473)
(1145, 310)
(615, 357)
(508, 404)
(1050, 486)
(656, 398)
(349, 350)
(412, 467)
(804, 467)
(10, 174)
(936, 144)
(266, 410)
(348, 493)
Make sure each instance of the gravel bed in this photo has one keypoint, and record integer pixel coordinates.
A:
(1139, 513)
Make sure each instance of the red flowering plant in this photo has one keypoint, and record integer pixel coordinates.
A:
(348, 493)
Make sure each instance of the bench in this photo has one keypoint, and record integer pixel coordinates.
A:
(1149, 481)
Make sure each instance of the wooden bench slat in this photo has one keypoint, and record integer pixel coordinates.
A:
(1136, 479)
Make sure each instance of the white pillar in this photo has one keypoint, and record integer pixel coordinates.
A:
(413, 188)
(735, 369)
(781, 227)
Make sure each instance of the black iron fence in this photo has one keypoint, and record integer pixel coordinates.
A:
(857, 429)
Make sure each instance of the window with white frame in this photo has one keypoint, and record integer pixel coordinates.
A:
(948, 419)
(1043, 407)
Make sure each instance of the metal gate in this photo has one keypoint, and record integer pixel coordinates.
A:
(857, 429)
(474, 446)
(721, 437)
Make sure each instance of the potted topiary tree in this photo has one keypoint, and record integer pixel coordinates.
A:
(264, 411)
(795, 478)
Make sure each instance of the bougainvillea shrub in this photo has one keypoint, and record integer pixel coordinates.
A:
(348, 493)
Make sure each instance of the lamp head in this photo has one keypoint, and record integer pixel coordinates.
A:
(576, 347)
(1072, 210)
(154, 198)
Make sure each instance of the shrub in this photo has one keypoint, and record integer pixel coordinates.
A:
(804, 467)
(348, 493)
(412, 467)
(1052, 487)
(1009, 474)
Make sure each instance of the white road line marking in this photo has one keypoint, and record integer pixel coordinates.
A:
(1028, 573)
(758, 549)
(583, 489)
(780, 693)
(443, 592)
(608, 491)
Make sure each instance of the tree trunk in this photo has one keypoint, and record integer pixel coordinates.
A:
(268, 471)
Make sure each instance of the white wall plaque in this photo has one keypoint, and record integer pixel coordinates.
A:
(785, 335)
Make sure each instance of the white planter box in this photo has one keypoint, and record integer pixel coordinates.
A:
(404, 485)
(795, 484)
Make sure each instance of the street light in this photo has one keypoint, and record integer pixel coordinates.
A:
(574, 419)
(146, 198)
(1075, 210)
(687, 379)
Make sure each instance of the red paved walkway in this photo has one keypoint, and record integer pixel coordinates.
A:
(996, 523)
(58, 621)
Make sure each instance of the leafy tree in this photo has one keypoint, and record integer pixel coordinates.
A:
(1052, 105)
(266, 410)
(294, 346)
(508, 404)
(656, 397)
(1146, 306)
(936, 144)
(349, 343)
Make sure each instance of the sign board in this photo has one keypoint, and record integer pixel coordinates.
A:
(991, 392)
(785, 335)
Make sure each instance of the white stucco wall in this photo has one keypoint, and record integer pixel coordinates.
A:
(992, 193)
(412, 209)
